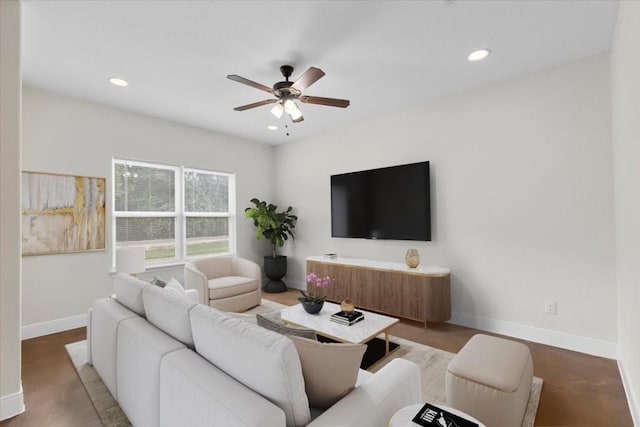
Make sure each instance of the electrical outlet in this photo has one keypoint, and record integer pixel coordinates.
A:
(550, 307)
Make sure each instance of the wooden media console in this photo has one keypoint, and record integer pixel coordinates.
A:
(421, 293)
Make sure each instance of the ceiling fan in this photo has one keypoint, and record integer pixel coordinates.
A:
(286, 93)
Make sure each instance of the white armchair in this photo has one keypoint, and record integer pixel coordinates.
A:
(228, 283)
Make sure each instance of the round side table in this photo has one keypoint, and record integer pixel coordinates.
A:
(403, 417)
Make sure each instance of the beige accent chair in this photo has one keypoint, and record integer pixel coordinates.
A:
(228, 283)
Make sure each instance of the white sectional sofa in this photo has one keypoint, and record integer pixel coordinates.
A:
(169, 361)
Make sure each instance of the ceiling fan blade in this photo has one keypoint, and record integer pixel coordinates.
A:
(256, 104)
(248, 82)
(331, 102)
(308, 78)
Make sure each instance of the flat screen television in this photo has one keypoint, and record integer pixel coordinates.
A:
(386, 203)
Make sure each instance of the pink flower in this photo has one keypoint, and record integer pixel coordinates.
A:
(319, 282)
(323, 282)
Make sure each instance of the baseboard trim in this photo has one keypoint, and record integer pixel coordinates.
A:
(632, 399)
(11, 405)
(543, 336)
(53, 326)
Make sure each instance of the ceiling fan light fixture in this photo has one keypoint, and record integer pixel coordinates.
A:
(277, 110)
(290, 106)
(292, 109)
(295, 115)
(286, 93)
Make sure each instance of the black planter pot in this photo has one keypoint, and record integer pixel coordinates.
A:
(275, 268)
(312, 308)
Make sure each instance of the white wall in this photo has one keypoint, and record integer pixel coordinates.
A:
(522, 202)
(65, 135)
(11, 397)
(626, 149)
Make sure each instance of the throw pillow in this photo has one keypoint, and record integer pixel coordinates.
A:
(330, 370)
(175, 286)
(169, 311)
(272, 321)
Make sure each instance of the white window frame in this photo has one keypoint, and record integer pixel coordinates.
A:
(180, 214)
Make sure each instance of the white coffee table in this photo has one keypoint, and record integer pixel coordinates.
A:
(403, 417)
(367, 329)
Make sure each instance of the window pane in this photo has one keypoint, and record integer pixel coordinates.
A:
(141, 188)
(205, 192)
(155, 234)
(207, 236)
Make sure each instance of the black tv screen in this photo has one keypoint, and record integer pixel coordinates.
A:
(386, 203)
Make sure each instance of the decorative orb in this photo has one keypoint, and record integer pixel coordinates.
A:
(412, 258)
(347, 306)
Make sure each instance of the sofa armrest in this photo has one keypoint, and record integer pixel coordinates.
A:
(195, 279)
(107, 314)
(374, 402)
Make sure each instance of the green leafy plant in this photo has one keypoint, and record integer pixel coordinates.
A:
(274, 226)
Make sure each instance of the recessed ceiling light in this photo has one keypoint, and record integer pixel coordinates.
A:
(478, 55)
(118, 82)
(272, 127)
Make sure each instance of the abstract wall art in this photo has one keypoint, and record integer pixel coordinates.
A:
(62, 213)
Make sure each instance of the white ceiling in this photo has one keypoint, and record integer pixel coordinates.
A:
(382, 55)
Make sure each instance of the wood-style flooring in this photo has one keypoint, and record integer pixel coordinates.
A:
(579, 390)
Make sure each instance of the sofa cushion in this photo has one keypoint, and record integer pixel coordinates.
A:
(263, 360)
(169, 311)
(193, 392)
(330, 370)
(251, 318)
(273, 322)
(128, 290)
(140, 349)
(230, 286)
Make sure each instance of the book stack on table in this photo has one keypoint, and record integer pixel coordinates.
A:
(347, 317)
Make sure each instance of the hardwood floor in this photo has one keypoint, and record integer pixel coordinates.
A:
(579, 390)
(53, 393)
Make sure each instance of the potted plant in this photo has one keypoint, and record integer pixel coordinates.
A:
(311, 300)
(276, 227)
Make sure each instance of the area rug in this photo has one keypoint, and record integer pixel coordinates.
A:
(433, 364)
